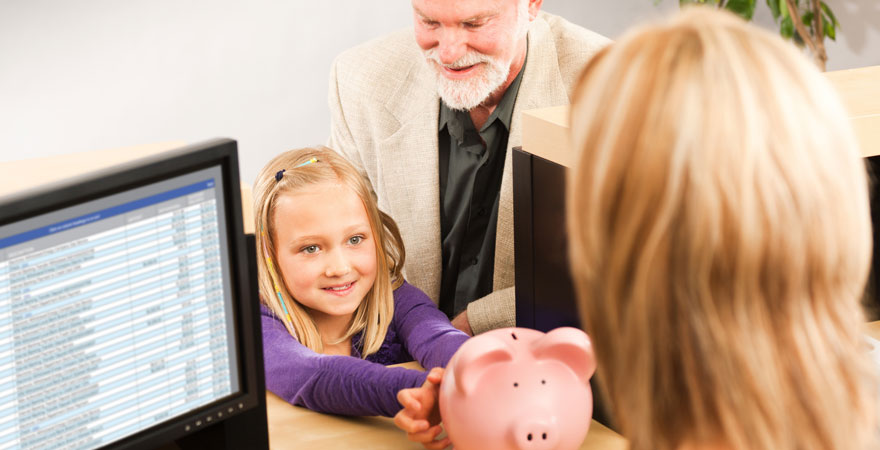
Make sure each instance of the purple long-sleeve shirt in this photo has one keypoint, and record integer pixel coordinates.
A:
(353, 386)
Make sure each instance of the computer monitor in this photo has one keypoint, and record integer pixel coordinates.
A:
(128, 311)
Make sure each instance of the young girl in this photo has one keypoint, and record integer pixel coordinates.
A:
(335, 307)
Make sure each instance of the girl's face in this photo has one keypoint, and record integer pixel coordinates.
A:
(325, 248)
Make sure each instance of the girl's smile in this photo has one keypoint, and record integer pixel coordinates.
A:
(342, 289)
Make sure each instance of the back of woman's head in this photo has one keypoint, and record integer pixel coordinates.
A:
(288, 173)
(720, 240)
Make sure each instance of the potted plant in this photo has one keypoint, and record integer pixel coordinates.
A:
(806, 22)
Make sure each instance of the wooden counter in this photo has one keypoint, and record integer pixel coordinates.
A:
(860, 91)
(294, 427)
(545, 130)
(873, 330)
(31, 173)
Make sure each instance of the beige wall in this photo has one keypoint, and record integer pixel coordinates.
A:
(95, 74)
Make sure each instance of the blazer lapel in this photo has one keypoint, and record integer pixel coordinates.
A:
(542, 86)
(409, 159)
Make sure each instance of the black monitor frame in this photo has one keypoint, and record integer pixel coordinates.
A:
(222, 152)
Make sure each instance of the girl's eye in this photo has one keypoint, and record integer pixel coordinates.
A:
(355, 240)
(310, 249)
(473, 25)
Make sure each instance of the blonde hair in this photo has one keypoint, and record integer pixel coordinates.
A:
(375, 312)
(720, 240)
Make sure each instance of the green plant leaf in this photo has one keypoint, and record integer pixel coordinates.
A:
(830, 14)
(786, 27)
(774, 8)
(807, 19)
(829, 30)
(783, 10)
(744, 8)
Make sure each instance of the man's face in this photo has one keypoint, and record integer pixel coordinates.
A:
(471, 44)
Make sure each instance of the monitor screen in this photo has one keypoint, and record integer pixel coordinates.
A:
(118, 313)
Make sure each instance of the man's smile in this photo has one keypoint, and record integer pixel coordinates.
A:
(459, 73)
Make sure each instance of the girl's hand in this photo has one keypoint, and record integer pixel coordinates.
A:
(420, 416)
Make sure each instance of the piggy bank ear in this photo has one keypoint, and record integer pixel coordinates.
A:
(472, 359)
(569, 346)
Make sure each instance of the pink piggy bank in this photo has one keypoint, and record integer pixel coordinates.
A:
(517, 388)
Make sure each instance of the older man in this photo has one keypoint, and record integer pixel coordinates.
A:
(430, 119)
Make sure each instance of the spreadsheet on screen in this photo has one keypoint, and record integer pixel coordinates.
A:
(115, 314)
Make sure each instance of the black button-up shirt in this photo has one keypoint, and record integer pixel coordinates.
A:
(471, 166)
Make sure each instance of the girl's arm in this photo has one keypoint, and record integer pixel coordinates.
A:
(327, 383)
(424, 329)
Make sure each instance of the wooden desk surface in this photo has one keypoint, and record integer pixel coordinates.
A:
(873, 330)
(294, 427)
(21, 175)
(545, 130)
(30, 173)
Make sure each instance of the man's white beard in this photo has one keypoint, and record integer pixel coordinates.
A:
(468, 93)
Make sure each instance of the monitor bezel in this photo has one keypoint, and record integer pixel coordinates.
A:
(220, 152)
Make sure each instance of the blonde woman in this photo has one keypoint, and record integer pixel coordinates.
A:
(335, 307)
(720, 240)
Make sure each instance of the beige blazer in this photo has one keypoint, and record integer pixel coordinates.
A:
(385, 112)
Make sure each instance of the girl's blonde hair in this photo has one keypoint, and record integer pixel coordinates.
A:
(720, 241)
(374, 313)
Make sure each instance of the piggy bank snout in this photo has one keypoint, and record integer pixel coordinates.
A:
(535, 434)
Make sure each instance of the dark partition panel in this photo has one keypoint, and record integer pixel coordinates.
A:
(545, 296)
(544, 292)
(872, 299)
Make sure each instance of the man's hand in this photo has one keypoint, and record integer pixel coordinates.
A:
(420, 416)
(461, 322)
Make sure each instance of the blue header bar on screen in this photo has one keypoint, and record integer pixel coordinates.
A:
(104, 214)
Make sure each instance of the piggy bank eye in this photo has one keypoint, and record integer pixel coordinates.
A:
(515, 384)
(543, 381)
(513, 335)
